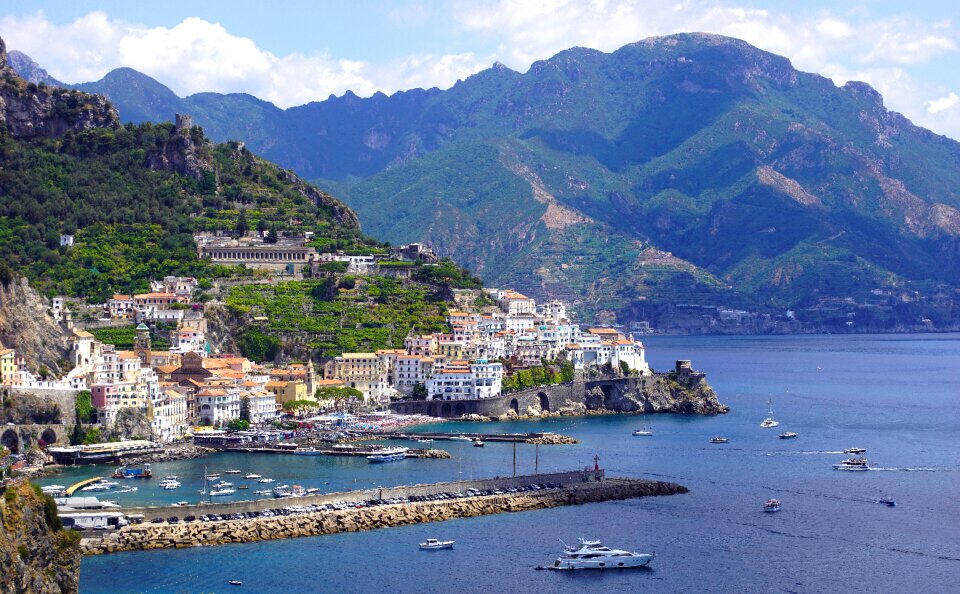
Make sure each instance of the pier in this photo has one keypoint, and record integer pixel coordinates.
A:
(531, 438)
(77, 486)
(330, 451)
(566, 488)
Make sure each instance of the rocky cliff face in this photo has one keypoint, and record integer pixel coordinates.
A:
(665, 393)
(35, 555)
(186, 153)
(29, 110)
(26, 325)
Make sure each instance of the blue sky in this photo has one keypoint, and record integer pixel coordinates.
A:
(292, 52)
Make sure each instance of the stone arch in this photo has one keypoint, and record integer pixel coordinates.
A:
(445, 409)
(515, 406)
(49, 436)
(11, 440)
(460, 409)
(544, 401)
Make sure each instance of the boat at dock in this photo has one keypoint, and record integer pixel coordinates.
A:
(433, 544)
(128, 472)
(789, 435)
(719, 439)
(769, 422)
(101, 485)
(424, 440)
(393, 457)
(284, 491)
(461, 438)
(853, 464)
(231, 472)
(266, 480)
(307, 452)
(772, 505)
(222, 492)
(590, 554)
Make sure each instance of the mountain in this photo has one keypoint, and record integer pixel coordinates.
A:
(691, 169)
(29, 70)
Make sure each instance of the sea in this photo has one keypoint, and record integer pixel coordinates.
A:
(896, 395)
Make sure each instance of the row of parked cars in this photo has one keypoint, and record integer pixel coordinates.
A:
(342, 505)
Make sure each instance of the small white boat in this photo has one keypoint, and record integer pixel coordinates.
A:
(719, 439)
(266, 480)
(772, 505)
(252, 476)
(52, 488)
(307, 452)
(182, 503)
(855, 451)
(222, 492)
(235, 583)
(478, 444)
(853, 464)
(424, 441)
(170, 485)
(222, 484)
(789, 435)
(433, 544)
(769, 422)
(461, 438)
(644, 431)
(888, 501)
(170, 477)
(261, 492)
(213, 477)
(590, 554)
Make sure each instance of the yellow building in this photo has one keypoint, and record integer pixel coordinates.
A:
(8, 367)
(286, 391)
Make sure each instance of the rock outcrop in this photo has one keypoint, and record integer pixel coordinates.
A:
(26, 325)
(30, 110)
(131, 423)
(35, 554)
(186, 152)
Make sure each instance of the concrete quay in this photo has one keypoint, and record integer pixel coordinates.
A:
(576, 488)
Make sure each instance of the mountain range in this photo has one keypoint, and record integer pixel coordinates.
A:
(691, 168)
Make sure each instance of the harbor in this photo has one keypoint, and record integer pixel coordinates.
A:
(332, 513)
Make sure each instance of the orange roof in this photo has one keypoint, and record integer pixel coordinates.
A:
(602, 331)
(167, 368)
(5, 352)
(514, 295)
(214, 364)
(119, 297)
(390, 351)
(229, 373)
(126, 355)
(154, 295)
(573, 346)
(329, 382)
(212, 392)
(276, 384)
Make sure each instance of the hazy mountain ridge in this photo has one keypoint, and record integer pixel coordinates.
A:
(770, 180)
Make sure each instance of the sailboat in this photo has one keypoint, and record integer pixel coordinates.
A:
(769, 421)
(643, 431)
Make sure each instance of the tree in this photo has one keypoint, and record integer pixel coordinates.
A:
(238, 425)
(242, 225)
(245, 409)
(625, 368)
(419, 391)
(84, 407)
(272, 236)
(338, 393)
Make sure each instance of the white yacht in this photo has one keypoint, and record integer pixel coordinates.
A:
(644, 431)
(222, 492)
(265, 480)
(461, 438)
(855, 451)
(252, 476)
(854, 464)
(590, 554)
(769, 421)
(169, 484)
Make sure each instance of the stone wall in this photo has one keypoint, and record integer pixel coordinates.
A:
(182, 535)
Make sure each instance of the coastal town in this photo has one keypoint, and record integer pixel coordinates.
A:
(187, 387)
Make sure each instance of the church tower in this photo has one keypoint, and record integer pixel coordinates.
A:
(141, 344)
(311, 379)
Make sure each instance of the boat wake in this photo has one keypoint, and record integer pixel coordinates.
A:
(914, 469)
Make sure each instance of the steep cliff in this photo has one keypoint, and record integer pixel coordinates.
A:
(26, 325)
(35, 554)
(29, 110)
(662, 393)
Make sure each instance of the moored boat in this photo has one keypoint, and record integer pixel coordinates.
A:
(772, 505)
(379, 458)
(590, 554)
(127, 472)
(252, 476)
(307, 452)
(222, 492)
(769, 422)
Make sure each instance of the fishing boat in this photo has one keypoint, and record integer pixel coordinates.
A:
(853, 464)
(433, 544)
(772, 505)
(719, 439)
(478, 444)
(590, 554)
(252, 476)
(307, 452)
(127, 472)
(789, 435)
(857, 451)
(769, 422)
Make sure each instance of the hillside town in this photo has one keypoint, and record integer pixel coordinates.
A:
(492, 333)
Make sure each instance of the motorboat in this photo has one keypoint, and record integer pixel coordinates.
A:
(169, 484)
(231, 472)
(854, 464)
(252, 476)
(261, 492)
(461, 438)
(126, 472)
(213, 477)
(266, 480)
(433, 544)
(223, 485)
(769, 422)
(424, 441)
(52, 488)
(101, 485)
(888, 501)
(772, 505)
(789, 435)
(284, 491)
(590, 554)
(170, 477)
(307, 452)
(478, 444)
(222, 492)
(719, 439)
(235, 583)
(857, 451)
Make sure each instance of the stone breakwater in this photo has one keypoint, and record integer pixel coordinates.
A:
(193, 534)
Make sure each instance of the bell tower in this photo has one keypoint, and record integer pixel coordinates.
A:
(141, 344)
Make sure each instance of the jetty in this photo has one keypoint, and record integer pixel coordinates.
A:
(77, 486)
(332, 451)
(333, 513)
(531, 438)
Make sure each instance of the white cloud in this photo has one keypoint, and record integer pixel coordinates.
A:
(938, 105)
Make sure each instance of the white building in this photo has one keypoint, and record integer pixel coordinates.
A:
(480, 379)
(218, 406)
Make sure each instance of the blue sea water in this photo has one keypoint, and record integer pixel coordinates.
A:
(898, 396)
